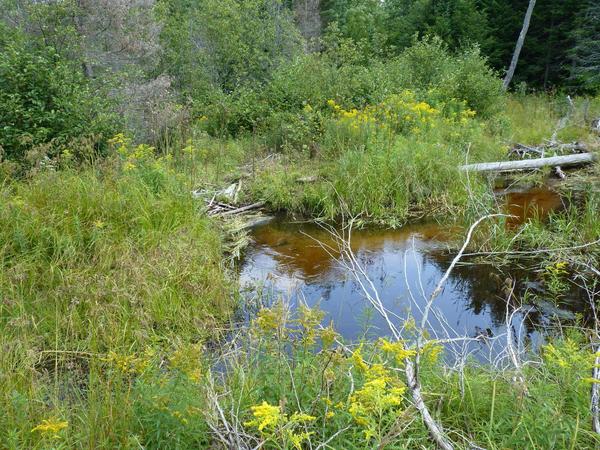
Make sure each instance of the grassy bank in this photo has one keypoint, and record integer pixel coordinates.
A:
(414, 172)
(98, 265)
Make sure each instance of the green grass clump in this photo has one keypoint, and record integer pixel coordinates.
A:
(387, 163)
(97, 265)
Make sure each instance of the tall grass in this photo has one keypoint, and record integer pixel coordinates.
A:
(387, 164)
(534, 118)
(97, 265)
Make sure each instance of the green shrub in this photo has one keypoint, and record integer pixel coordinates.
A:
(45, 100)
(428, 66)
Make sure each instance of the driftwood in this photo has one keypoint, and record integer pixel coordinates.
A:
(528, 164)
(551, 148)
(216, 207)
(309, 179)
(242, 209)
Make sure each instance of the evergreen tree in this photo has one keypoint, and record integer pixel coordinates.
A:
(545, 60)
(585, 67)
(457, 22)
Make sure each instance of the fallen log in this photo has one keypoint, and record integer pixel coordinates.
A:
(527, 164)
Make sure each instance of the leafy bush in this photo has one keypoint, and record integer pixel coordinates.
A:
(429, 66)
(43, 100)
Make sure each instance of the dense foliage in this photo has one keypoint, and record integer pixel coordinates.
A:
(43, 100)
(246, 66)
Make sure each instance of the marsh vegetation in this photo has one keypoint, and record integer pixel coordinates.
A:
(388, 299)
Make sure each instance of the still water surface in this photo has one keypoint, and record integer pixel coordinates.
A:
(405, 265)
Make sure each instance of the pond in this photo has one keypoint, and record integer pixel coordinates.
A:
(287, 261)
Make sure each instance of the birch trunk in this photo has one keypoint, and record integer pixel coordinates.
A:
(515, 58)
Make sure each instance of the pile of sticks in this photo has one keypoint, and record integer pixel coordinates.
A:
(216, 206)
(541, 151)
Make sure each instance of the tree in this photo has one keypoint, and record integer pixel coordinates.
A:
(224, 44)
(515, 58)
(457, 22)
(308, 18)
(361, 21)
(115, 44)
(585, 67)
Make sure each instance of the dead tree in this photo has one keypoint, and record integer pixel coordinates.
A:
(519, 46)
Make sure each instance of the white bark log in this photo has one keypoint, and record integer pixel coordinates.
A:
(527, 164)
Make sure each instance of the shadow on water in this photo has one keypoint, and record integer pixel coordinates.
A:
(405, 265)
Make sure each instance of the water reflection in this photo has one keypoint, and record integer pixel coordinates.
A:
(405, 266)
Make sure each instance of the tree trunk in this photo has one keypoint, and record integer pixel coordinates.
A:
(519, 46)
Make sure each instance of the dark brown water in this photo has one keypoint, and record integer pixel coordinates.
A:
(405, 265)
(525, 204)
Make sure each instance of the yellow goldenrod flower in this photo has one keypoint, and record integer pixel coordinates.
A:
(358, 361)
(51, 427)
(397, 349)
(302, 417)
(128, 166)
(265, 415)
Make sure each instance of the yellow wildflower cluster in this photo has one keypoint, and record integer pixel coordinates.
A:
(265, 416)
(309, 319)
(268, 418)
(306, 325)
(557, 269)
(354, 119)
(129, 364)
(381, 393)
(135, 156)
(554, 277)
(397, 349)
(403, 112)
(50, 427)
(432, 351)
(270, 320)
(188, 360)
(567, 355)
(328, 336)
(358, 361)
(399, 113)
(120, 143)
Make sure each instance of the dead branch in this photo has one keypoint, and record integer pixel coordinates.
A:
(595, 395)
(243, 209)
